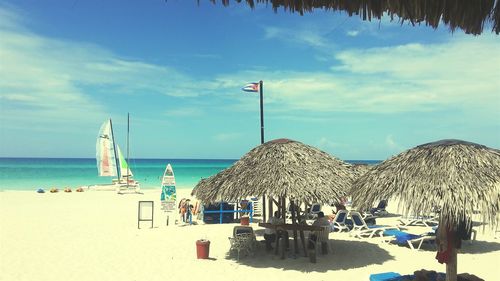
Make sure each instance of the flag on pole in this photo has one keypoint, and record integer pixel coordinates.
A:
(251, 87)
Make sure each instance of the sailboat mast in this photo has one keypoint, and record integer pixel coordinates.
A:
(128, 134)
(117, 159)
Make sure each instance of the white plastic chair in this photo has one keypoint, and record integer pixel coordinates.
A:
(242, 242)
(322, 237)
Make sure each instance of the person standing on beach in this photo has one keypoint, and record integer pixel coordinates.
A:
(182, 209)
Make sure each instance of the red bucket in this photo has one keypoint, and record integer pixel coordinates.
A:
(245, 220)
(202, 248)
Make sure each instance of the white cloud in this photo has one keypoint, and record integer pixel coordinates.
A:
(391, 143)
(227, 136)
(353, 33)
(307, 36)
(326, 144)
(461, 74)
(54, 80)
(184, 111)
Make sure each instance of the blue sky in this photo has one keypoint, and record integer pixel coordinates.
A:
(357, 90)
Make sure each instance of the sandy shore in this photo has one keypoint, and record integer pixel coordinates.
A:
(94, 236)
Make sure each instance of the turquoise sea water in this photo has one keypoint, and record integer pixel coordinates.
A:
(34, 173)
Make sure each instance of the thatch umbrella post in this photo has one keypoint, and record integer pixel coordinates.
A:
(295, 244)
(457, 176)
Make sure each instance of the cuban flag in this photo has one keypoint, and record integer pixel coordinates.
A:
(251, 87)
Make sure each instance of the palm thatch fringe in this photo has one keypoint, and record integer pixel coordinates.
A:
(280, 168)
(457, 176)
(470, 16)
(359, 169)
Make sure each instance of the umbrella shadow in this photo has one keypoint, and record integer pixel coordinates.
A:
(259, 232)
(388, 215)
(479, 247)
(347, 254)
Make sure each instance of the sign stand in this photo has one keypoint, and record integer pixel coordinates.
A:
(145, 212)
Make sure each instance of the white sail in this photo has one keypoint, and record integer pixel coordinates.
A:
(111, 163)
(105, 151)
(124, 168)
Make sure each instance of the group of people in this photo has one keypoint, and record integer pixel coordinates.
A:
(270, 234)
(186, 210)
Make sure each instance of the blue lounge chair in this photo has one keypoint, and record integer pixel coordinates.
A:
(339, 221)
(405, 238)
(380, 209)
(313, 211)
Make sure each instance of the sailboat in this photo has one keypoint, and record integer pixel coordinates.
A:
(110, 161)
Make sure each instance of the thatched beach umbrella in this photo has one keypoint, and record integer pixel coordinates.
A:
(359, 169)
(470, 16)
(457, 176)
(280, 168)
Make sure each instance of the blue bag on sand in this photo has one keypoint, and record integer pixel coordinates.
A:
(40, 190)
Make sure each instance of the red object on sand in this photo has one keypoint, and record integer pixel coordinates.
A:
(244, 220)
(202, 249)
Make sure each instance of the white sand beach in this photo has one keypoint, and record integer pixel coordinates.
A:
(93, 235)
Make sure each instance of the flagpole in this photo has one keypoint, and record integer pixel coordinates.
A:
(261, 90)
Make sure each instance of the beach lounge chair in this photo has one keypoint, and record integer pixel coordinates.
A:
(361, 229)
(427, 221)
(256, 206)
(380, 209)
(339, 221)
(405, 238)
(313, 211)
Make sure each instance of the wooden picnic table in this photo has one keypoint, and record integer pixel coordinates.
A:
(294, 227)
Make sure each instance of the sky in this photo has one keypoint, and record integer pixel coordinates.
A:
(357, 90)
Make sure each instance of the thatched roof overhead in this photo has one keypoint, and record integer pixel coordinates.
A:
(359, 169)
(456, 175)
(470, 16)
(278, 168)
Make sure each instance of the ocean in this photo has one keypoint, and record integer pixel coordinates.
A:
(34, 173)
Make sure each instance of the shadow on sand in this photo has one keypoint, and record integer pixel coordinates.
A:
(479, 247)
(346, 255)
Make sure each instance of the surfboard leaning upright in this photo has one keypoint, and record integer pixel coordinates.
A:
(168, 196)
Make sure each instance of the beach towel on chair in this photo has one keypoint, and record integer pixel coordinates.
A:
(401, 236)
